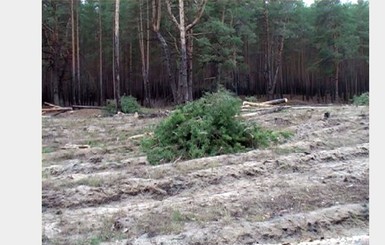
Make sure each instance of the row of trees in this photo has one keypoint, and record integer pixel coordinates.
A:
(174, 50)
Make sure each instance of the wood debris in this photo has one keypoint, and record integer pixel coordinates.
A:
(250, 109)
(73, 146)
(55, 109)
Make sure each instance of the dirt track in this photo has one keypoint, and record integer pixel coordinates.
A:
(313, 187)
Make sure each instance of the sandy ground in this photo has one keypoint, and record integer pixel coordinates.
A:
(98, 187)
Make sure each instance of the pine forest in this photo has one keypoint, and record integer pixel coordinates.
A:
(168, 52)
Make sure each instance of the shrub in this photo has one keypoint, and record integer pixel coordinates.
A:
(129, 105)
(363, 99)
(205, 127)
(110, 108)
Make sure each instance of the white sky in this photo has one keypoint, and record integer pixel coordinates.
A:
(309, 2)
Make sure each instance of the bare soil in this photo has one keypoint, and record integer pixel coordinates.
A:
(313, 187)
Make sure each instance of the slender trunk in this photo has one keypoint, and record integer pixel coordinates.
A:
(156, 18)
(54, 71)
(113, 64)
(100, 55)
(170, 74)
(73, 53)
(278, 65)
(144, 56)
(190, 64)
(130, 67)
(117, 62)
(78, 51)
(147, 81)
(267, 50)
(55, 85)
(336, 79)
(183, 94)
(183, 87)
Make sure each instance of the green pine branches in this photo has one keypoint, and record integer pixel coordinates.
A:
(205, 127)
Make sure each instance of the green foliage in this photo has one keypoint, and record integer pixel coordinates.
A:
(129, 105)
(110, 108)
(363, 99)
(47, 149)
(205, 127)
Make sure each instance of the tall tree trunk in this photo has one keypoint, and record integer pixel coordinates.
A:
(336, 79)
(130, 68)
(73, 52)
(78, 51)
(170, 74)
(183, 87)
(55, 85)
(101, 55)
(147, 81)
(55, 49)
(117, 58)
(267, 50)
(183, 92)
(190, 64)
(278, 62)
(113, 64)
(144, 56)
(156, 18)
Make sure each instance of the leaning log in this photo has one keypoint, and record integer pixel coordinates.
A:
(51, 105)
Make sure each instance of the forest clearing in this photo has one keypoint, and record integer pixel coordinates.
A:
(146, 140)
(314, 186)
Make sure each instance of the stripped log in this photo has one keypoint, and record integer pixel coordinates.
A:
(78, 107)
(275, 102)
(56, 109)
(73, 146)
(266, 103)
(265, 111)
(51, 105)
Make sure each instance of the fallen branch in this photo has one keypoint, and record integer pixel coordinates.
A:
(70, 146)
(139, 136)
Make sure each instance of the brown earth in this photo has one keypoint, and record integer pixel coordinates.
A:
(314, 187)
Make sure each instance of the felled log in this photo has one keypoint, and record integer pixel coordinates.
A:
(266, 103)
(72, 146)
(51, 105)
(275, 102)
(78, 107)
(265, 111)
(56, 109)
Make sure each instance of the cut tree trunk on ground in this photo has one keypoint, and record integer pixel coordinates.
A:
(60, 109)
(265, 111)
(266, 103)
(71, 146)
(51, 105)
(78, 107)
(54, 109)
